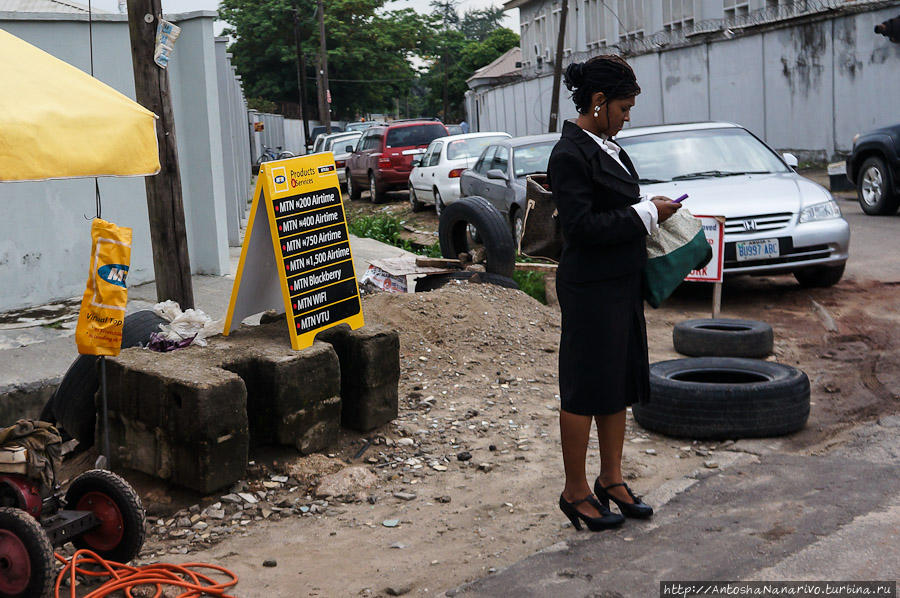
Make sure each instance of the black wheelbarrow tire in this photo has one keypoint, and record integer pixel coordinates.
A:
(121, 533)
(22, 538)
(723, 337)
(493, 232)
(72, 404)
(724, 398)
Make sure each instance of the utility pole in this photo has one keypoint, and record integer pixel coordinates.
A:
(557, 66)
(165, 207)
(301, 75)
(324, 94)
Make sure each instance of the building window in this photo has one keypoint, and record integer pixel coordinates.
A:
(736, 8)
(677, 14)
(631, 13)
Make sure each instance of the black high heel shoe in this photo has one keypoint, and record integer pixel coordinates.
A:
(637, 510)
(607, 518)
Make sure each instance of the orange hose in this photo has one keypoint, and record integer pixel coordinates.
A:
(125, 577)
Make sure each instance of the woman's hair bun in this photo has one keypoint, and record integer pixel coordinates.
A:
(574, 76)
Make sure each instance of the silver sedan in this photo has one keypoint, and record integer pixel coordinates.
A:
(776, 220)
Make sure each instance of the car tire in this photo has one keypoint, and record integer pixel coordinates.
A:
(722, 398)
(414, 204)
(438, 203)
(376, 195)
(723, 337)
(875, 188)
(436, 281)
(492, 228)
(72, 404)
(26, 554)
(820, 277)
(352, 190)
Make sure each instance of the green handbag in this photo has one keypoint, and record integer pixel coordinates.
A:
(673, 252)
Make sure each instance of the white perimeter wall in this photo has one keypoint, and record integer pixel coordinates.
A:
(44, 236)
(809, 88)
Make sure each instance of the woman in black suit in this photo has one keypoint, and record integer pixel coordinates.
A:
(603, 364)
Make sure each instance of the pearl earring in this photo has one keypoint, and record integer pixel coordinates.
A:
(596, 111)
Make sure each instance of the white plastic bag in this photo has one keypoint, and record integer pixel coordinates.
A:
(185, 324)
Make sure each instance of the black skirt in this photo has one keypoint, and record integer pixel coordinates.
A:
(603, 364)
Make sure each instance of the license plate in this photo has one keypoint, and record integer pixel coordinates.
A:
(762, 249)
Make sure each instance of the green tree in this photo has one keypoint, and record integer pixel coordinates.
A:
(478, 24)
(464, 57)
(368, 51)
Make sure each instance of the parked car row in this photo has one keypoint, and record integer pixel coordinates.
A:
(776, 220)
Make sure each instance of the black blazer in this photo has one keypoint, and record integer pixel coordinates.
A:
(602, 236)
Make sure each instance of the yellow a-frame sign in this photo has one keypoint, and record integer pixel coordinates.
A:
(296, 251)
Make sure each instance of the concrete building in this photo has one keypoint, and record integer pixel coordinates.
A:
(805, 75)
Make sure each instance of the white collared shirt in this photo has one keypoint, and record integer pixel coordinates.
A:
(646, 209)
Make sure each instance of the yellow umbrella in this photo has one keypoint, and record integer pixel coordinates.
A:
(57, 121)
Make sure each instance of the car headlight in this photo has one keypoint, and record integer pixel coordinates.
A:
(820, 211)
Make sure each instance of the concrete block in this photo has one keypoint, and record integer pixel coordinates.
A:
(204, 466)
(189, 416)
(314, 428)
(176, 394)
(370, 374)
(365, 409)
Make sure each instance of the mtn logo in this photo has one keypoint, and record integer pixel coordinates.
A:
(113, 274)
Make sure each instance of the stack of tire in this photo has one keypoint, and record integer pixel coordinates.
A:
(725, 389)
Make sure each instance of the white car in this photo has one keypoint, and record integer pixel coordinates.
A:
(337, 143)
(776, 220)
(435, 176)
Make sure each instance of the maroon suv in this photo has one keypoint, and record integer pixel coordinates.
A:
(383, 156)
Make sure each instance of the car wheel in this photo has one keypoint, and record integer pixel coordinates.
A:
(822, 276)
(438, 203)
(414, 204)
(875, 189)
(453, 233)
(352, 190)
(724, 398)
(723, 337)
(375, 195)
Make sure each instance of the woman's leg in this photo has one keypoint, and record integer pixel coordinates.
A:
(575, 430)
(611, 434)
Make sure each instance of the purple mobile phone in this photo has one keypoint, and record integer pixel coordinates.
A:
(680, 199)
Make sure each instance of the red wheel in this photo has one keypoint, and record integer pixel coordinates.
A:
(26, 557)
(15, 564)
(120, 535)
(112, 526)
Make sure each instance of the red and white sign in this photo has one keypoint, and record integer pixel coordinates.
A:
(714, 229)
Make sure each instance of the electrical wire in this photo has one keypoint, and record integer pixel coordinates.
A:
(126, 578)
(97, 201)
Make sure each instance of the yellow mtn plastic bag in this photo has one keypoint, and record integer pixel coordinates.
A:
(102, 314)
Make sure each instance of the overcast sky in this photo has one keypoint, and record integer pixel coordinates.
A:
(175, 6)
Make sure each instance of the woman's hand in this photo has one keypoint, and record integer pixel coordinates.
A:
(665, 207)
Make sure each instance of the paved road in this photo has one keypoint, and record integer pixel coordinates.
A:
(780, 518)
(874, 244)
